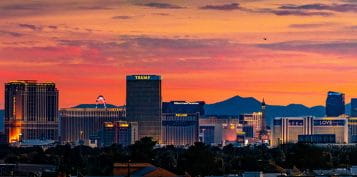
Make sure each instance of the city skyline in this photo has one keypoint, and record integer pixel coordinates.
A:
(205, 50)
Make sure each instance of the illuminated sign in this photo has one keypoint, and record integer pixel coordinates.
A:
(296, 122)
(123, 125)
(108, 124)
(329, 122)
(142, 77)
(181, 115)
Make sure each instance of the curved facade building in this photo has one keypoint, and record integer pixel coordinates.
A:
(335, 104)
(31, 111)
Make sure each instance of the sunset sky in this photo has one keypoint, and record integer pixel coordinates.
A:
(285, 51)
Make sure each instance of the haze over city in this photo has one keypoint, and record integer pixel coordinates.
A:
(285, 51)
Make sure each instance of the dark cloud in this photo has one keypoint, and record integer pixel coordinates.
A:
(38, 8)
(162, 5)
(52, 27)
(232, 6)
(310, 25)
(161, 14)
(122, 17)
(30, 26)
(335, 47)
(96, 7)
(23, 6)
(332, 7)
(14, 34)
(179, 43)
(143, 42)
(279, 11)
(292, 12)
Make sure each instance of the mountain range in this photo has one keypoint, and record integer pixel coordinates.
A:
(239, 105)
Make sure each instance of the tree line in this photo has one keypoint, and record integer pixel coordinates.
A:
(197, 160)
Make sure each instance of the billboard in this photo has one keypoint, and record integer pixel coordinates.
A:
(329, 122)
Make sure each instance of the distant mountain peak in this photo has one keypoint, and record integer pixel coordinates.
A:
(237, 105)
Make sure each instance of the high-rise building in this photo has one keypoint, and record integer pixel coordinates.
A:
(288, 129)
(31, 111)
(354, 107)
(219, 131)
(180, 129)
(252, 124)
(180, 122)
(144, 105)
(184, 107)
(119, 132)
(78, 125)
(335, 104)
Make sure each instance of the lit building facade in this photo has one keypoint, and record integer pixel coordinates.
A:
(288, 129)
(219, 131)
(353, 107)
(119, 132)
(180, 129)
(144, 105)
(352, 129)
(252, 124)
(332, 125)
(77, 125)
(31, 111)
(335, 104)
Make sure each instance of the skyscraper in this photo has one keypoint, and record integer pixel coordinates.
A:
(180, 128)
(354, 107)
(180, 122)
(335, 104)
(144, 105)
(31, 111)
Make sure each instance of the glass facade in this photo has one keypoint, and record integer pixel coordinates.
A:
(208, 134)
(31, 111)
(180, 128)
(144, 105)
(354, 107)
(119, 132)
(335, 104)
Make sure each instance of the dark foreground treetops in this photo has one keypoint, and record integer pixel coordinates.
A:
(199, 159)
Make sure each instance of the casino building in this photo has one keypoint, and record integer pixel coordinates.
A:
(144, 105)
(288, 129)
(252, 124)
(180, 129)
(31, 111)
(180, 122)
(78, 125)
(352, 128)
(119, 132)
